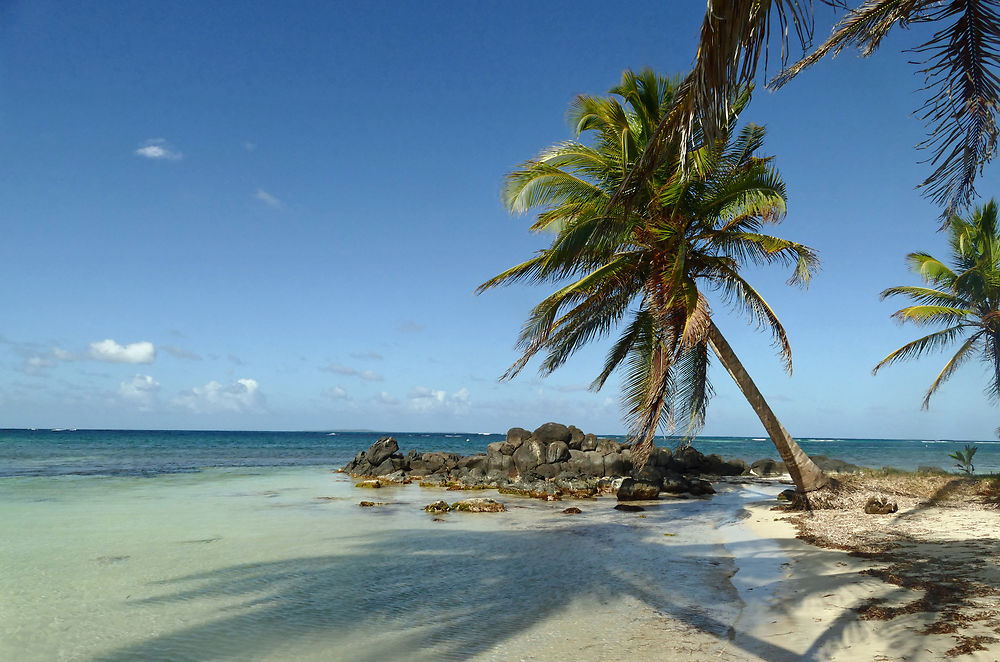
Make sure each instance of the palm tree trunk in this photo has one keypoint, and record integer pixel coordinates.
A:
(807, 476)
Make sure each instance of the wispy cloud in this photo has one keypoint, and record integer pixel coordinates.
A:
(110, 351)
(267, 198)
(141, 390)
(409, 326)
(158, 149)
(337, 393)
(373, 356)
(249, 146)
(383, 398)
(242, 395)
(180, 353)
(423, 399)
(339, 369)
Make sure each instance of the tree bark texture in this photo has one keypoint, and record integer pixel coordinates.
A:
(807, 476)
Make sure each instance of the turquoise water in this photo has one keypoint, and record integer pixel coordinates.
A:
(122, 546)
(150, 452)
(280, 564)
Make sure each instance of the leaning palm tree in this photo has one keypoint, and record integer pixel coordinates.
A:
(960, 68)
(645, 268)
(963, 297)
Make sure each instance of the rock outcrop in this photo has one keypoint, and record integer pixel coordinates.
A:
(557, 460)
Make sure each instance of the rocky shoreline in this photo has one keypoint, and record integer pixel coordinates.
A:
(556, 460)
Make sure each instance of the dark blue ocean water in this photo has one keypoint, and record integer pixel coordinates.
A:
(153, 452)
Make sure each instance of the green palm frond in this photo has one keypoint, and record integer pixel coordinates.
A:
(640, 265)
(966, 299)
(964, 352)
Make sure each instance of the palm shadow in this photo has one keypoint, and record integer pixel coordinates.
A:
(452, 594)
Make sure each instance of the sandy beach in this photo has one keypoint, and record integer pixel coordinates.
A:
(919, 584)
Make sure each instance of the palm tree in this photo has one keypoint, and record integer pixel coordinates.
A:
(644, 268)
(965, 298)
(962, 84)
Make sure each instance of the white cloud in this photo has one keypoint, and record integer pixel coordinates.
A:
(267, 198)
(243, 395)
(367, 375)
(158, 149)
(110, 351)
(36, 362)
(424, 399)
(384, 398)
(141, 391)
(337, 393)
(180, 353)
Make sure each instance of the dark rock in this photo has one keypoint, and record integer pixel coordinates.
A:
(607, 446)
(399, 477)
(787, 495)
(674, 484)
(516, 437)
(660, 457)
(575, 437)
(834, 465)
(594, 464)
(480, 505)
(529, 456)
(629, 508)
(474, 463)
(380, 451)
(588, 443)
(880, 506)
(637, 490)
(366, 504)
(503, 465)
(649, 474)
(614, 465)
(700, 487)
(387, 467)
(438, 507)
(552, 432)
(689, 460)
(768, 467)
(496, 448)
(548, 470)
(557, 451)
(572, 511)
(576, 486)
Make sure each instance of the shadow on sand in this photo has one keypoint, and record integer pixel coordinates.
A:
(448, 594)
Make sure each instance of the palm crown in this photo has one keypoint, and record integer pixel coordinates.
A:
(645, 268)
(964, 297)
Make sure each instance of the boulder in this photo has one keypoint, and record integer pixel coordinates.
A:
(689, 460)
(480, 505)
(768, 467)
(675, 484)
(557, 451)
(660, 457)
(629, 508)
(516, 437)
(575, 437)
(607, 446)
(552, 432)
(834, 465)
(548, 470)
(614, 465)
(400, 477)
(700, 487)
(380, 451)
(369, 484)
(588, 443)
(496, 448)
(502, 465)
(529, 455)
(637, 490)
(572, 511)
(438, 507)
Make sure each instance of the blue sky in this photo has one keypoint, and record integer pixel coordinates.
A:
(263, 215)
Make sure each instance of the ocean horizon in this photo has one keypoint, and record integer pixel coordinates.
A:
(60, 451)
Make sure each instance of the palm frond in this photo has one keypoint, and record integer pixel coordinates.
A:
(963, 353)
(917, 348)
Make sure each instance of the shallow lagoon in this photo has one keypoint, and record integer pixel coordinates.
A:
(281, 563)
